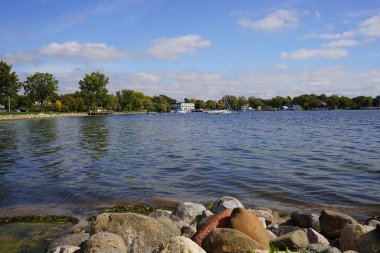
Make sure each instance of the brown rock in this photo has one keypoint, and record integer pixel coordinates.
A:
(226, 240)
(220, 220)
(360, 238)
(264, 214)
(293, 241)
(304, 220)
(332, 223)
(105, 242)
(247, 223)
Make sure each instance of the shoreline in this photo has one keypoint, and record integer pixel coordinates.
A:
(11, 117)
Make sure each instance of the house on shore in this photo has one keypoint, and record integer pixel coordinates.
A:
(2, 108)
(184, 107)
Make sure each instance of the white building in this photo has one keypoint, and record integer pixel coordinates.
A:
(246, 107)
(186, 107)
(2, 108)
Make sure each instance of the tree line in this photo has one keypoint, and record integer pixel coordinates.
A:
(41, 94)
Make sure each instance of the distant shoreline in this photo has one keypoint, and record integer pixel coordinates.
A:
(9, 117)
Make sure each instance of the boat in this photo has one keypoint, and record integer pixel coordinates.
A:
(179, 110)
(226, 109)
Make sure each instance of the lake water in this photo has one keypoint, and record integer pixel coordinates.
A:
(284, 160)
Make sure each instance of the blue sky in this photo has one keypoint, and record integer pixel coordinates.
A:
(199, 48)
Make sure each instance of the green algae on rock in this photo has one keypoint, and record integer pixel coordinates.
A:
(38, 219)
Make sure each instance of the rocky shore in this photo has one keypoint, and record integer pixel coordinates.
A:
(40, 115)
(226, 227)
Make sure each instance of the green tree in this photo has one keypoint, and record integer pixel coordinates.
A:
(376, 101)
(9, 84)
(92, 87)
(40, 86)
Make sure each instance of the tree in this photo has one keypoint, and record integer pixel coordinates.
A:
(40, 86)
(9, 84)
(58, 105)
(93, 86)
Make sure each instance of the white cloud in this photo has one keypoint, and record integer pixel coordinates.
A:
(89, 51)
(173, 48)
(329, 36)
(281, 66)
(333, 53)
(27, 57)
(342, 43)
(280, 19)
(371, 27)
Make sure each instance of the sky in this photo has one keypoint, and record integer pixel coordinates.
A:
(200, 49)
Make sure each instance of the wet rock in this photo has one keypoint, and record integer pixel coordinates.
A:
(266, 214)
(188, 230)
(225, 240)
(225, 202)
(221, 220)
(104, 242)
(180, 244)
(360, 238)
(304, 220)
(247, 223)
(294, 240)
(73, 239)
(332, 223)
(331, 250)
(140, 233)
(188, 211)
(282, 230)
(317, 241)
(64, 249)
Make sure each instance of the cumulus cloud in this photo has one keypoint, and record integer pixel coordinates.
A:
(333, 53)
(370, 27)
(280, 19)
(329, 36)
(27, 57)
(89, 51)
(342, 43)
(173, 48)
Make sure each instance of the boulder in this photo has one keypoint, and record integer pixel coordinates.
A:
(188, 230)
(332, 223)
(140, 233)
(64, 249)
(188, 211)
(247, 223)
(266, 214)
(262, 221)
(225, 240)
(317, 241)
(360, 238)
(221, 220)
(294, 240)
(282, 230)
(331, 250)
(104, 242)
(180, 244)
(73, 240)
(162, 214)
(271, 234)
(374, 223)
(350, 251)
(203, 219)
(225, 202)
(304, 220)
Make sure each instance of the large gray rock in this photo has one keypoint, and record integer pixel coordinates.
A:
(360, 238)
(162, 214)
(304, 220)
(332, 223)
(282, 230)
(188, 211)
(140, 233)
(226, 240)
(317, 242)
(294, 240)
(64, 249)
(73, 239)
(331, 250)
(104, 242)
(188, 230)
(180, 244)
(225, 202)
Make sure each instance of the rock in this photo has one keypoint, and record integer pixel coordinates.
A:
(378, 227)
(304, 220)
(221, 220)
(262, 221)
(139, 232)
(188, 230)
(73, 240)
(374, 223)
(225, 202)
(271, 234)
(160, 213)
(318, 241)
(247, 223)
(294, 240)
(288, 223)
(180, 244)
(331, 250)
(360, 238)
(188, 211)
(104, 242)
(267, 215)
(64, 249)
(282, 230)
(204, 218)
(332, 223)
(225, 240)
(350, 251)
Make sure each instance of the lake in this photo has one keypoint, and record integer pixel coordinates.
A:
(286, 160)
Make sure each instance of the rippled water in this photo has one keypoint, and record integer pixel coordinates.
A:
(273, 159)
